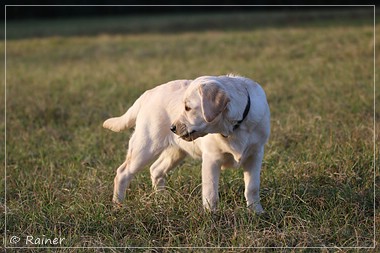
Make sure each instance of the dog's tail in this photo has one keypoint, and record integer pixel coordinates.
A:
(127, 120)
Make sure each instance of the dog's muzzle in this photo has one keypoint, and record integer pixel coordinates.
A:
(181, 130)
(178, 128)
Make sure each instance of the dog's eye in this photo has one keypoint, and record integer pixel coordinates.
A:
(187, 108)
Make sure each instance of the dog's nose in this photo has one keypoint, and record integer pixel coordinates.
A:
(173, 128)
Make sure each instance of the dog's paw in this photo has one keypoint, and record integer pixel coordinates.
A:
(116, 202)
(256, 208)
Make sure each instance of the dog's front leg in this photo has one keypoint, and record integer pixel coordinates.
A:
(252, 168)
(210, 182)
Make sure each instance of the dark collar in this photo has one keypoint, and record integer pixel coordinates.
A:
(246, 111)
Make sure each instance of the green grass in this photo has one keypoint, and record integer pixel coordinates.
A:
(318, 172)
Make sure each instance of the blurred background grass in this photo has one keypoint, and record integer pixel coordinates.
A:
(188, 21)
(65, 76)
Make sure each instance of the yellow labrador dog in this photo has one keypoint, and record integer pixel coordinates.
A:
(224, 120)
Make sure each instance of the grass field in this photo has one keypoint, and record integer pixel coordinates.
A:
(318, 171)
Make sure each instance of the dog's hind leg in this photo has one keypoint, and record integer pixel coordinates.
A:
(140, 153)
(168, 160)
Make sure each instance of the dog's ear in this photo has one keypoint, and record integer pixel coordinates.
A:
(213, 100)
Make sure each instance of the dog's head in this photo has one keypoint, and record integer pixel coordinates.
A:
(203, 106)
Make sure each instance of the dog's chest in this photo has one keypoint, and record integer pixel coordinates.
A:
(235, 152)
(232, 159)
(230, 153)
(191, 148)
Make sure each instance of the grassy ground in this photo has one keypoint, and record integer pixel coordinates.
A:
(318, 172)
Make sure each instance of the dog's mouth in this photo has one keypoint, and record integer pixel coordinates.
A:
(191, 136)
(188, 136)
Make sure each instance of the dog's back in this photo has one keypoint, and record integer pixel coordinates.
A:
(153, 104)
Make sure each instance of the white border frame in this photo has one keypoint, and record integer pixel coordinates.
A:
(5, 239)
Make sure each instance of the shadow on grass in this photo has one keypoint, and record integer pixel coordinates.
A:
(179, 23)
